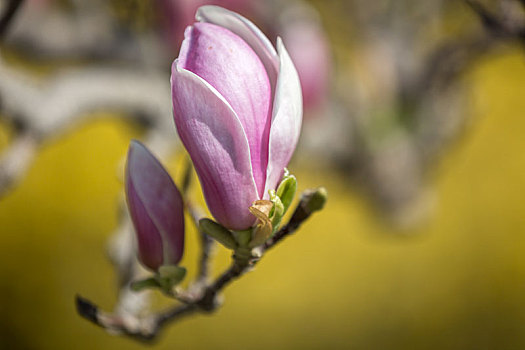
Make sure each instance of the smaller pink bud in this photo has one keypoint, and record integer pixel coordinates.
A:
(156, 208)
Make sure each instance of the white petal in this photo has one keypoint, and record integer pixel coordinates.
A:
(287, 117)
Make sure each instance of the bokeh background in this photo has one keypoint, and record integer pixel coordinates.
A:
(443, 268)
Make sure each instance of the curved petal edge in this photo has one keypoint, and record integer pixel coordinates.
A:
(287, 118)
(247, 31)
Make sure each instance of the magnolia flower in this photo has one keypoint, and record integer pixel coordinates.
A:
(156, 209)
(238, 109)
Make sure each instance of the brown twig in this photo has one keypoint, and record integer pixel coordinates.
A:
(299, 216)
(498, 25)
(147, 328)
(207, 244)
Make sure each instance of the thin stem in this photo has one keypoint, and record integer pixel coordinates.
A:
(147, 329)
(299, 216)
(207, 244)
(172, 314)
(208, 302)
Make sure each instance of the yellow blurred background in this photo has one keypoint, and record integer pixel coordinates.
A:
(346, 280)
(343, 281)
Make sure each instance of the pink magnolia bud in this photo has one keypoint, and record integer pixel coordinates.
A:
(156, 209)
(238, 110)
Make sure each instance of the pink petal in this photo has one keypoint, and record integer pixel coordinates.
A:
(286, 120)
(228, 64)
(215, 139)
(247, 31)
(149, 243)
(156, 208)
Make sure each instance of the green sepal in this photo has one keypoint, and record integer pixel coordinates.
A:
(243, 237)
(169, 276)
(277, 212)
(147, 283)
(173, 273)
(218, 232)
(286, 190)
(242, 255)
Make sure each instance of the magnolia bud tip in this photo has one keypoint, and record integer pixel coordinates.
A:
(316, 199)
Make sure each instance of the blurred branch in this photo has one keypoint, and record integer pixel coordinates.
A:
(49, 107)
(501, 25)
(7, 16)
(206, 243)
(446, 63)
(43, 110)
(147, 328)
(488, 19)
(450, 59)
(15, 161)
(82, 30)
(405, 95)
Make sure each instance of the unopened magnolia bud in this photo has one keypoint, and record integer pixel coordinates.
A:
(156, 209)
(315, 199)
